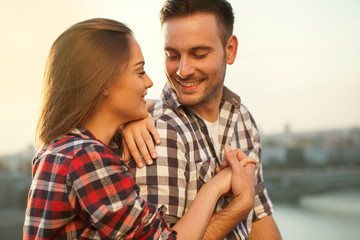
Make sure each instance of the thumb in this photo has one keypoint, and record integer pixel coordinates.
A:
(230, 156)
(240, 154)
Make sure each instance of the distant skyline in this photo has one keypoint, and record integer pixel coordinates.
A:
(298, 62)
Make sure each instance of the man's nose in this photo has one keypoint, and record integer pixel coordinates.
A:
(185, 68)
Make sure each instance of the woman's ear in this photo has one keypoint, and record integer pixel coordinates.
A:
(231, 49)
(106, 92)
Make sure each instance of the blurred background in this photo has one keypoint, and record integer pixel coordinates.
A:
(297, 70)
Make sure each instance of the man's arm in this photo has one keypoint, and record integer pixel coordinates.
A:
(265, 228)
(222, 222)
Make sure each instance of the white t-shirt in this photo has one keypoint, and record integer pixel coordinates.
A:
(213, 129)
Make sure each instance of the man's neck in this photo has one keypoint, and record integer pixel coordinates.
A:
(208, 114)
(209, 109)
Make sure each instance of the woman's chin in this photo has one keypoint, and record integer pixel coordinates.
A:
(139, 116)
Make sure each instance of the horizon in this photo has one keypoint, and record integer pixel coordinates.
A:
(297, 63)
(26, 148)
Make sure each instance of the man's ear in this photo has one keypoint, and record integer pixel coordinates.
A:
(231, 49)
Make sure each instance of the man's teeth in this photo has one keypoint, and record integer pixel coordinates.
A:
(189, 84)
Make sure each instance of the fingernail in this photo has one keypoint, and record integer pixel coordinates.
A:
(157, 141)
(141, 165)
(149, 161)
(154, 155)
(227, 148)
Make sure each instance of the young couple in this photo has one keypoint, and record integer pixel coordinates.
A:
(94, 84)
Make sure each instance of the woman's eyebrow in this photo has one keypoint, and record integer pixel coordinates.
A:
(139, 64)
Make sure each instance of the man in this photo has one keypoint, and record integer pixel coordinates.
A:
(197, 116)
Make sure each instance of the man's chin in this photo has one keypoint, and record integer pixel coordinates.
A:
(189, 101)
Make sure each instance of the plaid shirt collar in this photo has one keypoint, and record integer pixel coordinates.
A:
(82, 132)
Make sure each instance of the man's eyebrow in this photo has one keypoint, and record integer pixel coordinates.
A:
(201, 48)
(169, 49)
(191, 49)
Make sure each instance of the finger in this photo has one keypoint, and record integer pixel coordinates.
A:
(150, 148)
(135, 153)
(231, 157)
(154, 133)
(248, 160)
(126, 151)
(250, 170)
(141, 147)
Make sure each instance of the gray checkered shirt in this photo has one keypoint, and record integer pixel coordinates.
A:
(187, 158)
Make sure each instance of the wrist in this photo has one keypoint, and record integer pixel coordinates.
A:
(243, 203)
(213, 187)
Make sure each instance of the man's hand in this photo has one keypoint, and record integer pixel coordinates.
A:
(137, 140)
(243, 191)
(243, 178)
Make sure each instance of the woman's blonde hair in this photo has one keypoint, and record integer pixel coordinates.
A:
(83, 62)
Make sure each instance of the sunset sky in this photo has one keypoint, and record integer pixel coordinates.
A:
(298, 62)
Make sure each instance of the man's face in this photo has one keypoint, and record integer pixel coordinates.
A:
(195, 59)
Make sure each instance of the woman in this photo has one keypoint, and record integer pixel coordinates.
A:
(94, 83)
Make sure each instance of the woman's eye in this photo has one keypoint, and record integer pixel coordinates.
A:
(142, 73)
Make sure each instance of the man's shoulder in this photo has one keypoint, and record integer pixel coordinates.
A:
(170, 120)
(245, 113)
(161, 107)
(162, 111)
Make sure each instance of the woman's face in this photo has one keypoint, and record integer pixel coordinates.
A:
(125, 98)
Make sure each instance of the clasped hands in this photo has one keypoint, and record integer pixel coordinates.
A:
(242, 175)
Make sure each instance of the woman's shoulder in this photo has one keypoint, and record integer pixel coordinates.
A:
(71, 143)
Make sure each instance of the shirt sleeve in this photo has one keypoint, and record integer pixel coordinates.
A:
(166, 180)
(262, 203)
(100, 182)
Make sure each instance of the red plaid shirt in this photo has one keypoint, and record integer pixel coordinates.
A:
(83, 190)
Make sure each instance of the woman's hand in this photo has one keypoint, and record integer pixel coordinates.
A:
(138, 141)
(240, 155)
